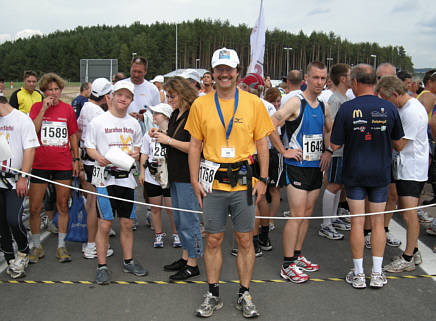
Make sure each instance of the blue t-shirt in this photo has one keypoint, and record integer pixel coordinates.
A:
(366, 127)
(78, 103)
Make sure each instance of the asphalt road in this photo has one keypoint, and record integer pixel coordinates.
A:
(325, 297)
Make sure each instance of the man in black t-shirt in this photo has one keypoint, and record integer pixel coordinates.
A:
(367, 126)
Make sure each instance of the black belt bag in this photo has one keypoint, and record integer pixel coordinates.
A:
(240, 172)
(4, 176)
(118, 174)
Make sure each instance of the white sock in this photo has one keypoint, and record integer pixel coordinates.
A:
(36, 240)
(336, 203)
(61, 239)
(377, 263)
(328, 201)
(358, 266)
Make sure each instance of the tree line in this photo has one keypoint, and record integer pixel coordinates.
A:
(61, 51)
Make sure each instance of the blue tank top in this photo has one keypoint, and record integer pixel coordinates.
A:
(306, 133)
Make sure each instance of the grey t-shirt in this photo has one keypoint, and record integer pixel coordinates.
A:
(335, 101)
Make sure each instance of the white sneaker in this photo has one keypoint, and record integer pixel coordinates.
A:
(18, 265)
(368, 240)
(271, 226)
(90, 252)
(356, 280)
(400, 265)
(176, 241)
(158, 240)
(112, 233)
(423, 216)
(378, 280)
(391, 240)
(342, 211)
(330, 232)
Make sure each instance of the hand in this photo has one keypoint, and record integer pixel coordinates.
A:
(153, 131)
(161, 138)
(296, 154)
(47, 102)
(259, 190)
(134, 154)
(134, 115)
(76, 168)
(141, 179)
(199, 192)
(21, 187)
(325, 161)
(102, 161)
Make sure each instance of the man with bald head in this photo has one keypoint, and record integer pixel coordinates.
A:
(293, 81)
(368, 127)
(385, 69)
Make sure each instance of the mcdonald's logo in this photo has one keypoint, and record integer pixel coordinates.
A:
(357, 113)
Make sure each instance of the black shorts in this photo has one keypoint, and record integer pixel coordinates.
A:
(275, 164)
(153, 190)
(88, 172)
(107, 208)
(50, 198)
(305, 178)
(49, 174)
(409, 188)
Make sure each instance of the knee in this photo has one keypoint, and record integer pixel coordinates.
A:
(245, 242)
(126, 224)
(214, 241)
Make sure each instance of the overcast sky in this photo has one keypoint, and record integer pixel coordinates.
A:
(411, 23)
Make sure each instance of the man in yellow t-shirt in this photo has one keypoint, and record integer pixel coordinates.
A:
(228, 125)
(24, 98)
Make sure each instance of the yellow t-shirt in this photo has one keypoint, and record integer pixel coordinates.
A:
(251, 123)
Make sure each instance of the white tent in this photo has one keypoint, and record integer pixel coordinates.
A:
(182, 72)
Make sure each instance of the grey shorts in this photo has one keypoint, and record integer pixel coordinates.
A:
(219, 204)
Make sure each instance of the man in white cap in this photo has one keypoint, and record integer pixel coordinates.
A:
(158, 82)
(96, 105)
(228, 136)
(115, 128)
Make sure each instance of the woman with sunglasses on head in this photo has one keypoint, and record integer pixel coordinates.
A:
(181, 94)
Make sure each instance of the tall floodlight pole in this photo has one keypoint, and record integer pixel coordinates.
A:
(287, 59)
(329, 59)
(375, 60)
(197, 63)
(176, 46)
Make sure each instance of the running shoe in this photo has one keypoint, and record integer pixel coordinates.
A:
(265, 245)
(368, 240)
(134, 268)
(417, 258)
(341, 225)
(90, 252)
(400, 265)
(62, 255)
(52, 228)
(342, 211)
(175, 266)
(428, 202)
(186, 273)
(176, 241)
(112, 233)
(36, 253)
(430, 231)
(209, 305)
(271, 226)
(148, 219)
(258, 251)
(424, 217)
(234, 252)
(293, 273)
(306, 265)
(357, 281)
(246, 305)
(18, 265)
(158, 240)
(287, 213)
(378, 280)
(134, 225)
(102, 275)
(329, 232)
(391, 240)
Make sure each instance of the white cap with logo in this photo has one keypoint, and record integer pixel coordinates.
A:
(163, 109)
(124, 85)
(101, 87)
(225, 56)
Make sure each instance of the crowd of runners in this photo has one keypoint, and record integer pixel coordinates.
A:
(226, 145)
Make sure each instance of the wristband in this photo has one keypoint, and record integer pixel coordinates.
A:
(169, 140)
(76, 159)
(330, 151)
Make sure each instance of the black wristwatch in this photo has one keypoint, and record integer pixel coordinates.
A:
(265, 180)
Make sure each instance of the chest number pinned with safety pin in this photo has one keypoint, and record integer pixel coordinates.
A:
(206, 174)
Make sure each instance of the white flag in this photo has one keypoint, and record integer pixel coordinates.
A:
(257, 44)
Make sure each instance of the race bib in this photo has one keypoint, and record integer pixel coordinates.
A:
(54, 133)
(98, 176)
(312, 147)
(207, 173)
(159, 151)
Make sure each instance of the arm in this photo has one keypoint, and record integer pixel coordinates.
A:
(428, 100)
(46, 103)
(326, 156)
(194, 154)
(13, 101)
(74, 143)
(167, 140)
(21, 186)
(399, 144)
(96, 155)
(135, 154)
(143, 159)
(433, 127)
(263, 157)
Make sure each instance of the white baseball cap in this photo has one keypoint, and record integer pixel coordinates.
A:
(225, 56)
(163, 109)
(158, 78)
(101, 87)
(124, 85)
(191, 74)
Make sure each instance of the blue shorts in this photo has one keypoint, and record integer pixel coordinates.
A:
(377, 194)
(334, 174)
(107, 207)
